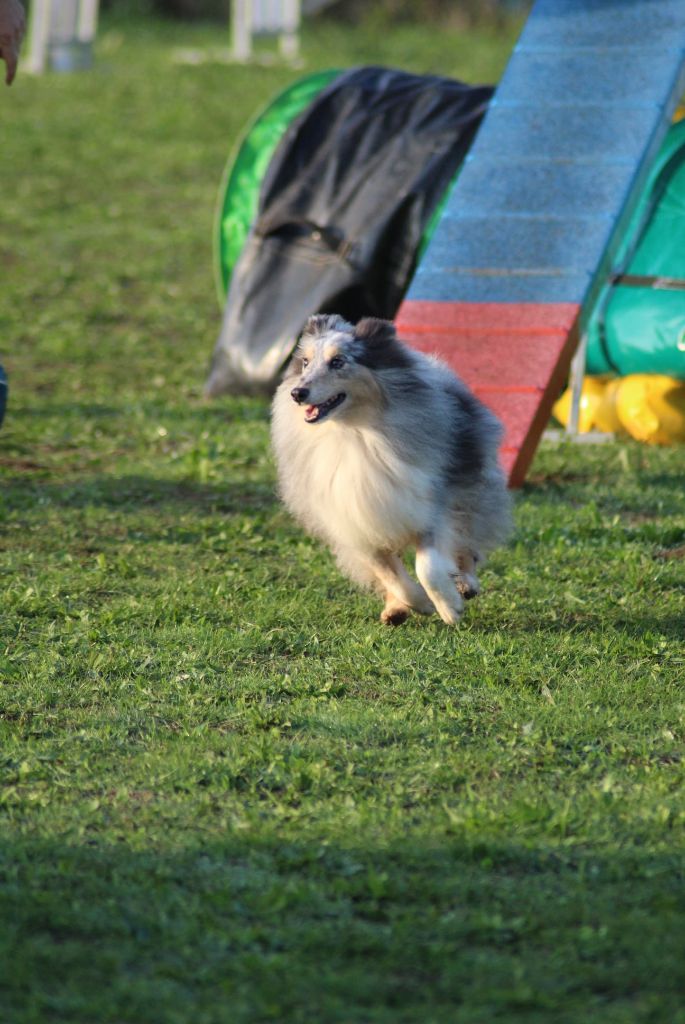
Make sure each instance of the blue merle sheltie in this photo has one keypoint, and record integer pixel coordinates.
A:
(381, 448)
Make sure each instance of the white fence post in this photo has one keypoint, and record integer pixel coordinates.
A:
(39, 29)
(241, 23)
(289, 41)
(86, 28)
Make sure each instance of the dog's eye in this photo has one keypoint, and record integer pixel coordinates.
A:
(336, 363)
(305, 362)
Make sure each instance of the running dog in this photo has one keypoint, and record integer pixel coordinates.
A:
(380, 448)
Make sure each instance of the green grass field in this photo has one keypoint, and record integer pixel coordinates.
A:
(228, 795)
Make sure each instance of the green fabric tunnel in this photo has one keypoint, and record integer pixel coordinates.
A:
(247, 165)
(638, 324)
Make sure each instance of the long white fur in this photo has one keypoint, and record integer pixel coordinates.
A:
(371, 478)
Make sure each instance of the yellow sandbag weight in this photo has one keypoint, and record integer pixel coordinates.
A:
(651, 407)
(648, 406)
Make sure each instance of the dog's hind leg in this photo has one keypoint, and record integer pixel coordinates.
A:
(394, 612)
(398, 585)
(438, 572)
(385, 573)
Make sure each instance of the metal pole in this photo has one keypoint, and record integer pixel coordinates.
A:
(577, 377)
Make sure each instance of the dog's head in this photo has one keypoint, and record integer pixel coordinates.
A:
(334, 368)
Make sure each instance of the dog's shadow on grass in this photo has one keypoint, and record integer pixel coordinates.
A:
(139, 492)
(200, 412)
(641, 624)
(65, 410)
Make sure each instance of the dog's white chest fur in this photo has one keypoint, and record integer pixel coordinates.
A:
(352, 488)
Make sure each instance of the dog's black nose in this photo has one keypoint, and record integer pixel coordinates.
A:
(299, 394)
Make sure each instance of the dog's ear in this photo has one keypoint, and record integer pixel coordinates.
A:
(322, 323)
(378, 346)
(317, 324)
(374, 332)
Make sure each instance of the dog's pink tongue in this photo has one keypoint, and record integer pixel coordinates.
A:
(310, 410)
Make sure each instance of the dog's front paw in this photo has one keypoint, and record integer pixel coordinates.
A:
(450, 611)
(450, 616)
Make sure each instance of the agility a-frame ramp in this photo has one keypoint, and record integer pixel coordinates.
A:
(531, 231)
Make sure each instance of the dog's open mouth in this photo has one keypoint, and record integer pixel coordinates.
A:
(314, 413)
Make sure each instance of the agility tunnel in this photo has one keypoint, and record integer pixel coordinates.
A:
(326, 206)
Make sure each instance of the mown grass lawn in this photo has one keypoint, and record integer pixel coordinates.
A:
(227, 793)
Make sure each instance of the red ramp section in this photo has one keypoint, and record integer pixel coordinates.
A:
(531, 230)
(514, 357)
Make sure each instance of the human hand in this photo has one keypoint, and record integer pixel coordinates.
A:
(12, 28)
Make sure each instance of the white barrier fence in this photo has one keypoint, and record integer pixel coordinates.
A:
(61, 34)
(251, 18)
